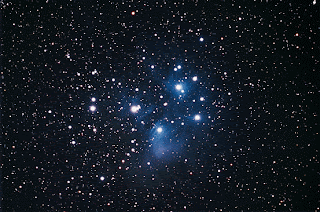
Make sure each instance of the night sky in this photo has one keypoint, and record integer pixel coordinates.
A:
(160, 105)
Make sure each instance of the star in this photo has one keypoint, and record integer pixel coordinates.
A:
(93, 99)
(179, 87)
(197, 117)
(159, 130)
(201, 99)
(92, 108)
(201, 39)
(94, 72)
(179, 66)
(195, 78)
(135, 109)
(102, 178)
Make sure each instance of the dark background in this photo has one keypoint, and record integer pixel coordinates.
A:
(256, 152)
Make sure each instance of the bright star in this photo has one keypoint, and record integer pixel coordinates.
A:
(197, 117)
(201, 39)
(159, 130)
(195, 78)
(135, 109)
(93, 99)
(201, 99)
(178, 87)
(175, 69)
(152, 66)
(179, 66)
(92, 108)
(102, 178)
(73, 142)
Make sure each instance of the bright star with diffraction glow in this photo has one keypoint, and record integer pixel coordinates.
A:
(179, 87)
(135, 108)
(93, 108)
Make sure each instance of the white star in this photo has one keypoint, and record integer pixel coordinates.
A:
(73, 142)
(102, 178)
(152, 66)
(201, 99)
(93, 108)
(197, 117)
(135, 109)
(201, 39)
(94, 72)
(179, 66)
(175, 69)
(93, 99)
(159, 130)
(195, 78)
(179, 87)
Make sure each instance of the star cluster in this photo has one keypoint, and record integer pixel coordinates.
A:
(159, 106)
